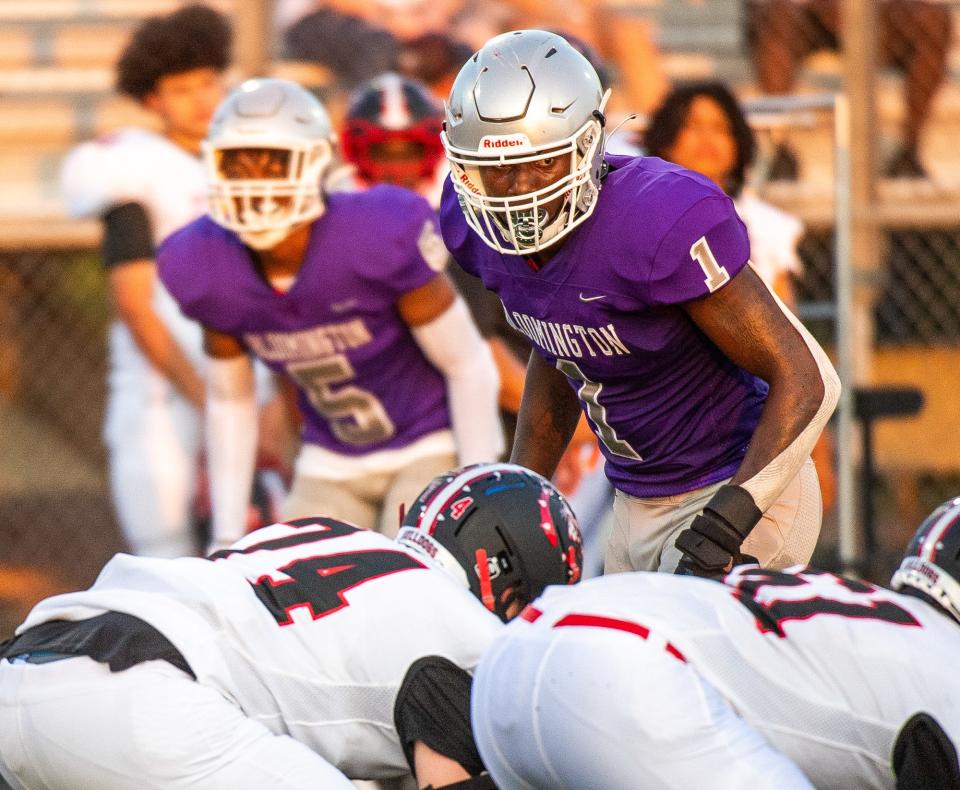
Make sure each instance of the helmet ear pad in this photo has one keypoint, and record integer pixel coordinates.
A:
(509, 529)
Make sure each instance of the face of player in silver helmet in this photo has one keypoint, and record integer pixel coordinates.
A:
(524, 137)
(269, 145)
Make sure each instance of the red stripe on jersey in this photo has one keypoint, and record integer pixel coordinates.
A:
(595, 621)
(676, 653)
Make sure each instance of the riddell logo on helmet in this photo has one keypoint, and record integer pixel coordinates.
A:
(499, 142)
(465, 180)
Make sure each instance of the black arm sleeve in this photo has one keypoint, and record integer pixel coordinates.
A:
(924, 758)
(127, 235)
(433, 706)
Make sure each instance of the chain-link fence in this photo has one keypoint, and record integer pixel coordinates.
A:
(917, 326)
(905, 262)
(56, 521)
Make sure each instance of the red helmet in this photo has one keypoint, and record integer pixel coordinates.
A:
(392, 131)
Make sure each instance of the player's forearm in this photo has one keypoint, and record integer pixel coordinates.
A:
(231, 440)
(511, 372)
(548, 417)
(132, 285)
(798, 406)
(453, 345)
(161, 350)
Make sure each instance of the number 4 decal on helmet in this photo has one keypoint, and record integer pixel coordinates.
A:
(716, 275)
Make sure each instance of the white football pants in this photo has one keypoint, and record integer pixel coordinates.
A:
(372, 501)
(75, 725)
(154, 445)
(588, 707)
(646, 529)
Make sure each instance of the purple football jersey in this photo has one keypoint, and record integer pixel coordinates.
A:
(364, 384)
(672, 412)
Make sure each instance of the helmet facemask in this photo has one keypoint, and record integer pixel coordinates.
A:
(932, 562)
(265, 208)
(405, 157)
(523, 224)
(931, 580)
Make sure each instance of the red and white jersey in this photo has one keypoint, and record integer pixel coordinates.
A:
(139, 166)
(310, 629)
(806, 657)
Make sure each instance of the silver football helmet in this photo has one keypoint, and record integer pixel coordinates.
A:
(526, 96)
(286, 120)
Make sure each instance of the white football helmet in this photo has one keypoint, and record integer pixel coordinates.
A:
(282, 117)
(525, 96)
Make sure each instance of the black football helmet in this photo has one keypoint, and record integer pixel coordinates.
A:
(391, 133)
(497, 528)
(932, 560)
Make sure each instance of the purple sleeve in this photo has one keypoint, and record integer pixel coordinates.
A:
(702, 251)
(176, 266)
(418, 251)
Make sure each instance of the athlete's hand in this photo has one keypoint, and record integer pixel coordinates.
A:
(711, 544)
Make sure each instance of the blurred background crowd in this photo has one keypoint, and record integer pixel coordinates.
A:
(714, 86)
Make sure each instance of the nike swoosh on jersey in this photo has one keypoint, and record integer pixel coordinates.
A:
(592, 298)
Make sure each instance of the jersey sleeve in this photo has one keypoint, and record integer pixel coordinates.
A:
(181, 276)
(418, 253)
(127, 235)
(99, 174)
(433, 706)
(700, 253)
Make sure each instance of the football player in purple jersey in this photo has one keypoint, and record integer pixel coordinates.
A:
(342, 293)
(630, 276)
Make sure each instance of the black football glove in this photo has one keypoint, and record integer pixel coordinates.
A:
(711, 544)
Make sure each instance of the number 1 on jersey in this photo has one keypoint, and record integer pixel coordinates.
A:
(589, 393)
(716, 275)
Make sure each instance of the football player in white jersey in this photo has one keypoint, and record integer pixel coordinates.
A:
(306, 653)
(766, 680)
(144, 185)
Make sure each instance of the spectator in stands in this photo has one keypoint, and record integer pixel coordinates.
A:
(701, 126)
(429, 40)
(914, 36)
